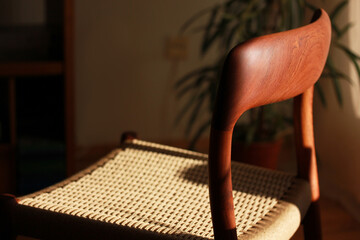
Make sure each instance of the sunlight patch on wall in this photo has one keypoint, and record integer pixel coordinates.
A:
(354, 44)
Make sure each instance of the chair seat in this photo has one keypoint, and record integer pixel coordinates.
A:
(163, 193)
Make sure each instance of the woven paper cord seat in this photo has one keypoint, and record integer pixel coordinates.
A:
(149, 191)
(164, 190)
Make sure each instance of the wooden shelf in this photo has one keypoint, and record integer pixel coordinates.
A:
(16, 69)
(37, 83)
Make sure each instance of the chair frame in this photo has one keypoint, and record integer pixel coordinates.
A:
(301, 54)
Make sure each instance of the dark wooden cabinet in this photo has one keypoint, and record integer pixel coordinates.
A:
(37, 99)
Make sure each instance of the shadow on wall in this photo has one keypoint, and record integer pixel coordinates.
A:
(337, 136)
(121, 72)
(337, 128)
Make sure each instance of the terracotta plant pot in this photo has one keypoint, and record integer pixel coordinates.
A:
(263, 154)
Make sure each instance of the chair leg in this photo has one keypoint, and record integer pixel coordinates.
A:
(312, 222)
(128, 136)
(6, 228)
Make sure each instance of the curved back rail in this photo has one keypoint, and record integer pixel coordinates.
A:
(261, 71)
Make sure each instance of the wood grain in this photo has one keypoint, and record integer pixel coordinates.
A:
(271, 68)
(31, 68)
(261, 71)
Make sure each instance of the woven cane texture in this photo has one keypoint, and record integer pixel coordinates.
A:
(164, 190)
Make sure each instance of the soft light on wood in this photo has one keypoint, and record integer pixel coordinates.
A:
(261, 71)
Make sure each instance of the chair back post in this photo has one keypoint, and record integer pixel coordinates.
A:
(304, 141)
(220, 185)
(260, 71)
(306, 160)
(304, 136)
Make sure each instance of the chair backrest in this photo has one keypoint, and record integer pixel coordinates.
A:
(261, 71)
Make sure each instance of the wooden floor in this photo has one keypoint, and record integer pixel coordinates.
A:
(336, 223)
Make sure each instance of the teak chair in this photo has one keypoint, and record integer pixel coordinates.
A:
(149, 191)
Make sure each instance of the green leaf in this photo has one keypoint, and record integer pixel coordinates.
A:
(344, 76)
(203, 127)
(194, 18)
(353, 57)
(348, 51)
(357, 67)
(336, 29)
(344, 30)
(301, 11)
(229, 16)
(185, 109)
(196, 84)
(337, 90)
(196, 110)
(338, 73)
(338, 9)
(235, 20)
(290, 19)
(310, 6)
(192, 74)
(208, 37)
(230, 36)
(220, 29)
(321, 94)
(335, 81)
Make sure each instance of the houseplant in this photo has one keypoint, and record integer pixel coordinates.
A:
(232, 22)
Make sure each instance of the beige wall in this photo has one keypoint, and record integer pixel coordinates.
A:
(123, 81)
(337, 129)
